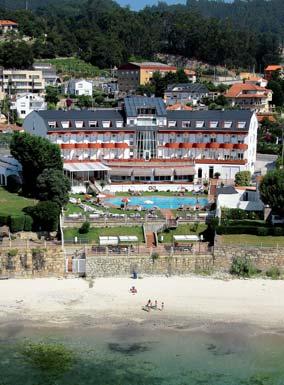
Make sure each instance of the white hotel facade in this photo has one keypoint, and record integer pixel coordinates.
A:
(143, 142)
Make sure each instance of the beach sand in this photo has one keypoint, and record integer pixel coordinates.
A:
(188, 302)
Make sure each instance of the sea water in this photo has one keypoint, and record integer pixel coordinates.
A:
(224, 355)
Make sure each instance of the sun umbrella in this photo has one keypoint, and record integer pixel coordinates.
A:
(101, 196)
(148, 202)
(125, 200)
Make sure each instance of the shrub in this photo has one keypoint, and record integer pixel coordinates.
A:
(45, 215)
(14, 183)
(85, 228)
(242, 267)
(242, 178)
(278, 231)
(273, 272)
(154, 256)
(194, 227)
(4, 220)
(28, 223)
(16, 223)
(262, 231)
(217, 175)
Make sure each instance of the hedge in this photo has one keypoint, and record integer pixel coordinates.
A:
(4, 220)
(17, 223)
(240, 214)
(28, 223)
(252, 230)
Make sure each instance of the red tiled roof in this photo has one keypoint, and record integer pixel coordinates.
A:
(10, 127)
(8, 22)
(237, 89)
(270, 117)
(179, 106)
(273, 68)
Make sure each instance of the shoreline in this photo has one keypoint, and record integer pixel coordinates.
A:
(190, 303)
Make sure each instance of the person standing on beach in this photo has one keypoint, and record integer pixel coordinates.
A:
(162, 306)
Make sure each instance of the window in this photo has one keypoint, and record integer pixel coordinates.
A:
(93, 123)
(65, 124)
(119, 124)
(199, 123)
(131, 122)
(214, 124)
(79, 124)
(241, 124)
(23, 112)
(172, 123)
(228, 124)
(106, 123)
(240, 155)
(186, 124)
(52, 124)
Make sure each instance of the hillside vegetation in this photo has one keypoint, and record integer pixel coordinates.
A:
(104, 34)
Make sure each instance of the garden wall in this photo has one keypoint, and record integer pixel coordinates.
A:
(262, 257)
(31, 263)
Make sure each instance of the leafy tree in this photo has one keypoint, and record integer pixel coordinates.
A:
(35, 155)
(45, 215)
(52, 185)
(14, 183)
(85, 228)
(272, 189)
(17, 55)
(181, 76)
(84, 101)
(242, 178)
(278, 96)
(52, 95)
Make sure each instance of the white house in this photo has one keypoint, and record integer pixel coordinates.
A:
(247, 199)
(184, 93)
(27, 103)
(80, 87)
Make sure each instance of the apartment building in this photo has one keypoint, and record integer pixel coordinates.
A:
(48, 73)
(17, 82)
(249, 96)
(132, 75)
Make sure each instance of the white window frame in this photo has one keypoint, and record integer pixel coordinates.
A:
(199, 123)
(228, 124)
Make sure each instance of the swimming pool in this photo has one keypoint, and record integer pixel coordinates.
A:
(162, 202)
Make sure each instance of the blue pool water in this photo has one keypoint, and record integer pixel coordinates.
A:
(162, 202)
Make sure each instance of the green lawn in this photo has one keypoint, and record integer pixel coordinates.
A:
(186, 229)
(95, 233)
(252, 240)
(13, 204)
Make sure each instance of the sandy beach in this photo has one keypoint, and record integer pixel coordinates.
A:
(188, 300)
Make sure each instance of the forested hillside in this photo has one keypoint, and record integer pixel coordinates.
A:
(105, 34)
(258, 15)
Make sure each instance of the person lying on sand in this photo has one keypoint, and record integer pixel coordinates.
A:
(133, 290)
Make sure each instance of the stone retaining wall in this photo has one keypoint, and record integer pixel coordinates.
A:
(262, 257)
(32, 263)
(124, 266)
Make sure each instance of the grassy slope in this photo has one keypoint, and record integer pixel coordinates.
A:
(12, 204)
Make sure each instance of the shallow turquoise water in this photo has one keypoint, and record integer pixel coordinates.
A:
(162, 202)
(134, 356)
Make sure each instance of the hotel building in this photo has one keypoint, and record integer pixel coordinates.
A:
(143, 142)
